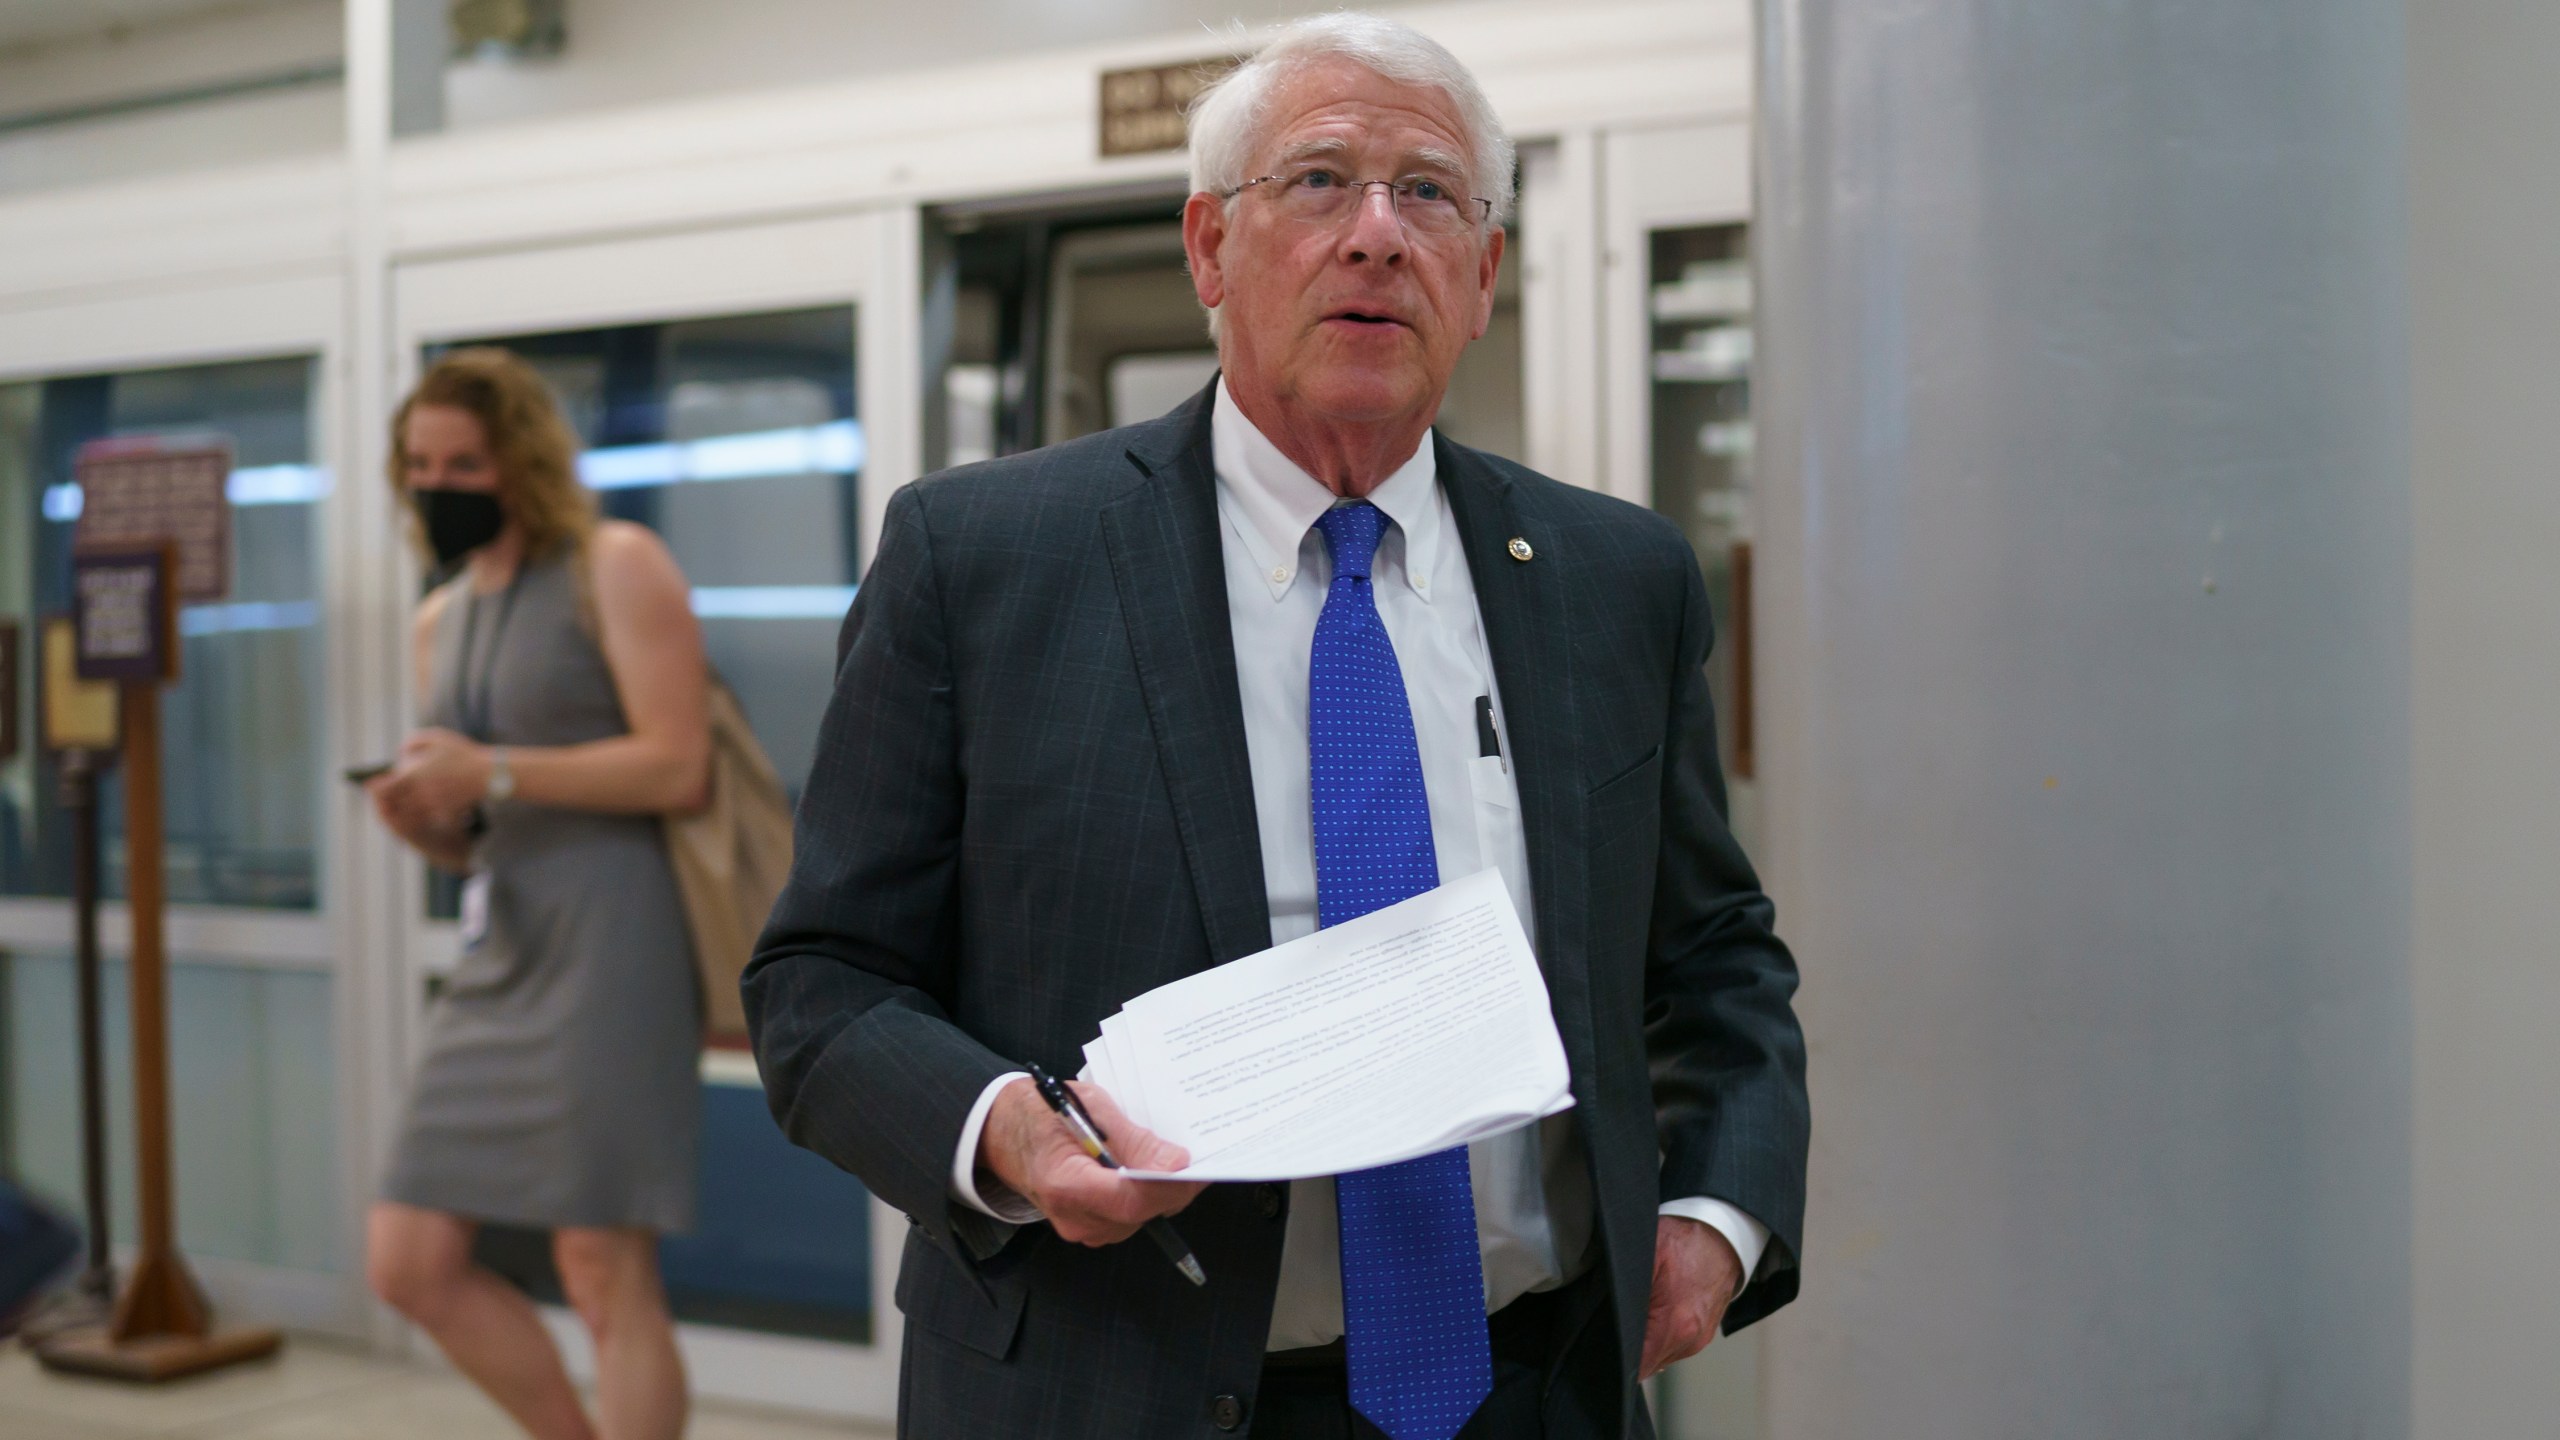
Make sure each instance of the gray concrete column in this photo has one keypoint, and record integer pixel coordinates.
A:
(2086, 586)
(2485, 356)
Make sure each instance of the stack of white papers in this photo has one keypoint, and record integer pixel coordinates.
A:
(1404, 1032)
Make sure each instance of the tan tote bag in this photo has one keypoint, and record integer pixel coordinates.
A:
(731, 858)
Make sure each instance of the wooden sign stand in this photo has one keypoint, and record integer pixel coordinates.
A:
(82, 731)
(80, 797)
(163, 1328)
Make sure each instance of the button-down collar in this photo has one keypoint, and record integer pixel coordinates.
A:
(1272, 503)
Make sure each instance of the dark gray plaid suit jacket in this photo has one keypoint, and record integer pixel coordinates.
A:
(1032, 801)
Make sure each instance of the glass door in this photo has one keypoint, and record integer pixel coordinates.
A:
(243, 812)
(1058, 318)
(1676, 363)
(1678, 390)
(1698, 314)
(267, 1100)
(719, 387)
(734, 437)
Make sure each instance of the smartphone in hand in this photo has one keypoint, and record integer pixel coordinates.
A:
(358, 774)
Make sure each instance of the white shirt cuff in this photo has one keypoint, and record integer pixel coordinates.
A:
(1004, 1204)
(1749, 1238)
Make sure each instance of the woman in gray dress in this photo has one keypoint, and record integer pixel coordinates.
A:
(567, 708)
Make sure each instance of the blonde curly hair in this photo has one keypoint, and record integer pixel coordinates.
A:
(535, 451)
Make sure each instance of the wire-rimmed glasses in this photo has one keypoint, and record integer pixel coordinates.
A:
(1427, 204)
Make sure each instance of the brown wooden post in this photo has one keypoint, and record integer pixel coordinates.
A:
(82, 731)
(161, 1299)
(162, 1327)
(80, 797)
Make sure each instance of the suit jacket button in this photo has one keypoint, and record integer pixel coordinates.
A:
(1267, 1197)
(1227, 1412)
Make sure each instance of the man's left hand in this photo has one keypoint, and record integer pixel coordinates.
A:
(1695, 1275)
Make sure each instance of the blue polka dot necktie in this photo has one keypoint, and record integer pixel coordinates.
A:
(1412, 1284)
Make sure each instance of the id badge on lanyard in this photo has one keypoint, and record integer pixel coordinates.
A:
(475, 910)
(477, 721)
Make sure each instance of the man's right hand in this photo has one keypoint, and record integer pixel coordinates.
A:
(1030, 1151)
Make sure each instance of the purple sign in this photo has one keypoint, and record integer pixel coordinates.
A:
(126, 613)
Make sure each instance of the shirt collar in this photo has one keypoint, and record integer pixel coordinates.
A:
(1273, 503)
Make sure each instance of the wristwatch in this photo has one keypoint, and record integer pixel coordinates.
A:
(502, 780)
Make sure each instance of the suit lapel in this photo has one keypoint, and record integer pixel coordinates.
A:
(1528, 630)
(1167, 560)
(1168, 564)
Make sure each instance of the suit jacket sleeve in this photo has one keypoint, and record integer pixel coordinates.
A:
(1720, 1030)
(851, 989)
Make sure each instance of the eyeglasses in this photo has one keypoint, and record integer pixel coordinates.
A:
(1317, 196)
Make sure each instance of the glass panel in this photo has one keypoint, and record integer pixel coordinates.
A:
(1114, 293)
(736, 439)
(251, 1087)
(1699, 326)
(1700, 321)
(1061, 323)
(241, 739)
(1042, 325)
(782, 1243)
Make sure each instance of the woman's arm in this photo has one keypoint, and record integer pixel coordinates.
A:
(653, 646)
(442, 839)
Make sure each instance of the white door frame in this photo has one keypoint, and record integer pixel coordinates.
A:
(295, 310)
(1650, 178)
(1653, 178)
(1559, 258)
(866, 259)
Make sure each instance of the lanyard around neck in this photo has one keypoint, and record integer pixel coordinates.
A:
(477, 719)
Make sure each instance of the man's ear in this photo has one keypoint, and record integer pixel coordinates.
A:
(1204, 233)
(1488, 271)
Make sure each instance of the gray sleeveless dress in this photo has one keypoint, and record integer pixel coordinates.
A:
(560, 1080)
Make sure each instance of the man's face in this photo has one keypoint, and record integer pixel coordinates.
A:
(1356, 321)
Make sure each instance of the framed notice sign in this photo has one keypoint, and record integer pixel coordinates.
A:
(1145, 109)
(140, 492)
(78, 714)
(125, 612)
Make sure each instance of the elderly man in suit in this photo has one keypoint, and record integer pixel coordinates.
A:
(1121, 709)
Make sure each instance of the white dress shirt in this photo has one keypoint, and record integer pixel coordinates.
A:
(1532, 1186)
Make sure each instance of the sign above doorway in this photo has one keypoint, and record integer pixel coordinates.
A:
(1143, 109)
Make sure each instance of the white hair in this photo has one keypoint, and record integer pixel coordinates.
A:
(1226, 118)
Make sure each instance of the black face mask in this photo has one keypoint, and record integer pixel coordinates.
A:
(458, 521)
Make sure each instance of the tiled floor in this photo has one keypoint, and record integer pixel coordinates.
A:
(314, 1391)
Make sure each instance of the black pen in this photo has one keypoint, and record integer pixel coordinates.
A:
(1089, 1135)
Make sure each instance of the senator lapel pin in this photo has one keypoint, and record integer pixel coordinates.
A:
(1520, 550)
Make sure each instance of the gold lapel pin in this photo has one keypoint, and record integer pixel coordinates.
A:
(1520, 550)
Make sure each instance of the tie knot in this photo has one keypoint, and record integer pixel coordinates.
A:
(1351, 534)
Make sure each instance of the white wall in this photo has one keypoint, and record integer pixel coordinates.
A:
(232, 43)
(628, 52)
(2485, 211)
(225, 43)
(620, 53)
(281, 124)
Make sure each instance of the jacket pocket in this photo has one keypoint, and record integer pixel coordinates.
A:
(1624, 813)
(936, 1293)
(1629, 780)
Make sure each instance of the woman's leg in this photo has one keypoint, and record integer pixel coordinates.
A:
(419, 1263)
(612, 1279)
